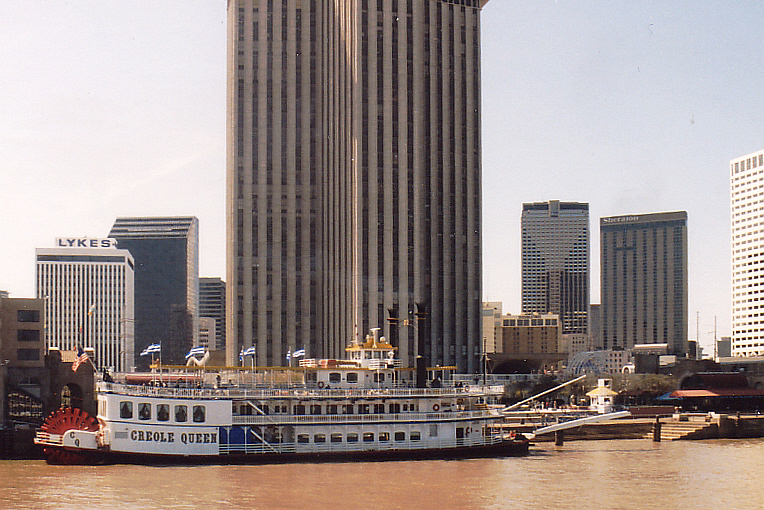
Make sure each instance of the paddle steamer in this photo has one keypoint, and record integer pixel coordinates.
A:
(365, 408)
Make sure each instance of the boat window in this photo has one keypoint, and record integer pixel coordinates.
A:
(126, 409)
(415, 436)
(379, 408)
(199, 414)
(367, 354)
(331, 409)
(459, 433)
(347, 408)
(181, 413)
(311, 376)
(299, 409)
(434, 430)
(163, 412)
(400, 436)
(336, 438)
(335, 377)
(384, 437)
(352, 377)
(319, 438)
(315, 409)
(379, 377)
(265, 409)
(395, 408)
(352, 437)
(144, 411)
(303, 438)
(363, 408)
(368, 437)
(413, 407)
(405, 407)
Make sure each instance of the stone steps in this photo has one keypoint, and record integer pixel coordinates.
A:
(674, 430)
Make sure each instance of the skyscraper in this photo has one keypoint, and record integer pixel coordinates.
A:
(354, 177)
(87, 289)
(746, 201)
(212, 305)
(555, 262)
(166, 253)
(644, 280)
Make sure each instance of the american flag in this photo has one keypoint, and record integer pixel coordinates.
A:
(82, 357)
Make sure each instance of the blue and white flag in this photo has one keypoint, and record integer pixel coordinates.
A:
(250, 351)
(196, 351)
(289, 355)
(298, 354)
(152, 349)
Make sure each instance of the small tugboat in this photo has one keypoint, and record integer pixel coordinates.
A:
(363, 408)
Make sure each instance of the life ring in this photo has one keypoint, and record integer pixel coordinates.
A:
(469, 429)
(320, 384)
(511, 434)
(435, 407)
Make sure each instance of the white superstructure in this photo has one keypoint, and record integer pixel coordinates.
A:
(87, 285)
(747, 217)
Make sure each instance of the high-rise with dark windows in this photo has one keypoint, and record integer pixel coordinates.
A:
(212, 305)
(354, 177)
(643, 278)
(555, 262)
(166, 254)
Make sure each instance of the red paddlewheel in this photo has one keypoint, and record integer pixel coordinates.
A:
(68, 418)
(61, 421)
(59, 457)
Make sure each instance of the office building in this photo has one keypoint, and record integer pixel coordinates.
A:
(354, 178)
(166, 253)
(643, 263)
(22, 333)
(555, 262)
(746, 205)
(491, 323)
(87, 287)
(212, 305)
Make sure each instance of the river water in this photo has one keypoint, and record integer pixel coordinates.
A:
(580, 474)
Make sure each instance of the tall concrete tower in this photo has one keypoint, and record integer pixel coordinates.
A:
(354, 177)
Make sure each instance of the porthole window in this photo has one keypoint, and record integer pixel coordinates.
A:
(400, 436)
(368, 437)
(181, 413)
(126, 409)
(352, 377)
(163, 412)
(352, 438)
(199, 414)
(144, 411)
(319, 438)
(384, 437)
(336, 438)
(303, 438)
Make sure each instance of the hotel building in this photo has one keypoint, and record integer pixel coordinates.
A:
(643, 263)
(555, 262)
(87, 289)
(353, 181)
(746, 213)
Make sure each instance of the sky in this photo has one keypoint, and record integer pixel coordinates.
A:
(113, 108)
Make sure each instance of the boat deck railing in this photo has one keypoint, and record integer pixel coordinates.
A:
(338, 447)
(339, 419)
(295, 392)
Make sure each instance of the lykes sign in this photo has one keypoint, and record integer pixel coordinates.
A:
(84, 242)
